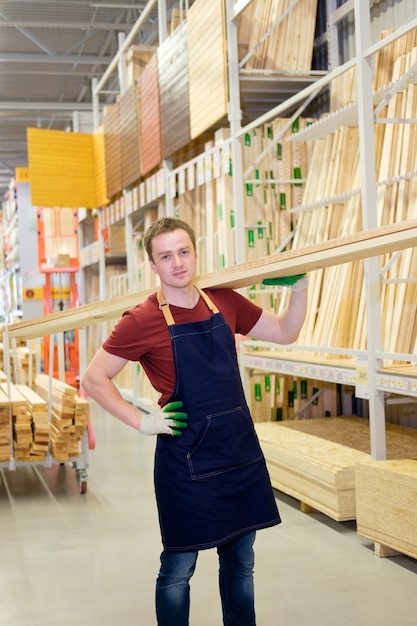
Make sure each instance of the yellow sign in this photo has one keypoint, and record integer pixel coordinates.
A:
(22, 174)
(33, 293)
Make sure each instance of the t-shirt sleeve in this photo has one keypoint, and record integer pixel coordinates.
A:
(123, 340)
(241, 313)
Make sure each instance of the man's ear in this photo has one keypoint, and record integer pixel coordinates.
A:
(153, 266)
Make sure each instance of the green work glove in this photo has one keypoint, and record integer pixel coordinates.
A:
(165, 421)
(295, 283)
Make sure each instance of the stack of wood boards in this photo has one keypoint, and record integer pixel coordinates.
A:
(173, 88)
(29, 422)
(386, 496)
(69, 417)
(331, 311)
(275, 397)
(5, 426)
(113, 149)
(314, 460)
(38, 409)
(207, 65)
(22, 423)
(130, 136)
(280, 31)
(21, 360)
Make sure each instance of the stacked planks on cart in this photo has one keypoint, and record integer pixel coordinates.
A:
(5, 432)
(29, 422)
(38, 410)
(314, 460)
(69, 417)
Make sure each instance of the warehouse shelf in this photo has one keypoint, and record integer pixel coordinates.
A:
(345, 371)
(261, 90)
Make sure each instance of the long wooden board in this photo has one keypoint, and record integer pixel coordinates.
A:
(361, 245)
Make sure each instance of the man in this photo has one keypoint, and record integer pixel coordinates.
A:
(211, 482)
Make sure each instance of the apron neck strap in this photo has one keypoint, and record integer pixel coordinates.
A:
(164, 306)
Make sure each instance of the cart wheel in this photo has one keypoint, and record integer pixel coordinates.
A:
(83, 487)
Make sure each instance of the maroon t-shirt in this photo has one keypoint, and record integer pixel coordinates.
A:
(142, 333)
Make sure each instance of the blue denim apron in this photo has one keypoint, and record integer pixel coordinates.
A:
(211, 483)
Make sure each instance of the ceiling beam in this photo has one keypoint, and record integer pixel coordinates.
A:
(45, 106)
(29, 57)
(68, 25)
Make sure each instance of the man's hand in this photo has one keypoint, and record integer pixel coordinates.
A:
(295, 283)
(165, 421)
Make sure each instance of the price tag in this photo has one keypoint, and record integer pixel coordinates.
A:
(361, 378)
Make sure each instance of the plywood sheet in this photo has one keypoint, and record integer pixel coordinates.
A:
(150, 128)
(386, 495)
(113, 150)
(207, 65)
(173, 87)
(130, 136)
(314, 460)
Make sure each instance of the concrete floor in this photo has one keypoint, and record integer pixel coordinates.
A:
(92, 559)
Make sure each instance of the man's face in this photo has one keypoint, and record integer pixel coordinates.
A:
(174, 258)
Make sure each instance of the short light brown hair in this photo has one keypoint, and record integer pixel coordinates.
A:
(166, 225)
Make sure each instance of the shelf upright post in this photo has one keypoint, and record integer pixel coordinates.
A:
(235, 118)
(121, 66)
(369, 218)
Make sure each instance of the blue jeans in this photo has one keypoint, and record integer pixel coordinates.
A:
(236, 562)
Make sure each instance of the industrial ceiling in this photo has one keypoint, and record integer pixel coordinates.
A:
(50, 51)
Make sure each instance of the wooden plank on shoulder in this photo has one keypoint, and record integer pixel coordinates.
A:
(361, 245)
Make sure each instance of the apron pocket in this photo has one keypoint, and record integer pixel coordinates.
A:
(228, 442)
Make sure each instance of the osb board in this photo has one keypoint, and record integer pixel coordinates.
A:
(150, 127)
(130, 136)
(386, 496)
(112, 150)
(173, 89)
(314, 460)
(207, 64)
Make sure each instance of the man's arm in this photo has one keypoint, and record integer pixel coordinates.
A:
(98, 383)
(285, 327)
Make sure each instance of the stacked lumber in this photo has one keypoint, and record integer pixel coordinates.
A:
(281, 33)
(38, 410)
(113, 150)
(21, 360)
(5, 428)
(130, 136)
(137, 58)
(314, 460)
(208, 98)
(386, 495)
(69, 417)
(22, 423)
(276, 397)
(270, 205)
(173, 91)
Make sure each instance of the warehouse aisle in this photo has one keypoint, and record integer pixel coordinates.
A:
(92, 560)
